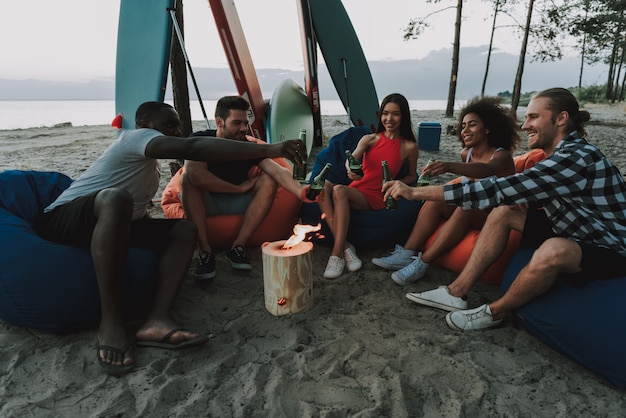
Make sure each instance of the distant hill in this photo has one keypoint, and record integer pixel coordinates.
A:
(420, 79)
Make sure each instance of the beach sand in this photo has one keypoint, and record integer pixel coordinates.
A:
(362, 350)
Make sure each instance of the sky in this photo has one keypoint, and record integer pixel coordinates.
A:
(76, 39)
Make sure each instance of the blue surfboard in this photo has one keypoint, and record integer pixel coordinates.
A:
(345, 61)
(143, 52)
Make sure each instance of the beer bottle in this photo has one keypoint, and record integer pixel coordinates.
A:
(353, 164)
(317, 185)
(390, 202)
(299, 171)
(424, 179)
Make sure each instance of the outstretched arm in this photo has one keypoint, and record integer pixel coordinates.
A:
(282, 176)
(397, 189)
(500, 165)
(217, 149)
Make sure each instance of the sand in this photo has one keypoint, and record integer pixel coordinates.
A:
(363, 350)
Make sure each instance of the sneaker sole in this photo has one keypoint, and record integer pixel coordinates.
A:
(403, 283)
(386, 266)
(238, 266)
(354, 268)
(205, 276)
(432, 304)
(456, 328)
(452, 324)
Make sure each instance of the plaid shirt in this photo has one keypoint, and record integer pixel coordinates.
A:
(582, 192)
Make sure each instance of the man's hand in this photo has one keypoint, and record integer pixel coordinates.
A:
(293, 149)
(396, 189)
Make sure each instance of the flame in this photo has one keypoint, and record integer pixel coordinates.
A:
(299, 234)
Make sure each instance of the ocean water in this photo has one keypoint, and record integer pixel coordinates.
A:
(22, 114)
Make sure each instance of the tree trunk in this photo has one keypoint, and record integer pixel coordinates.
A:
(455, 59)
(180, 88)
(618, 74)
(520, 67)
(493, 29)
(583, 50)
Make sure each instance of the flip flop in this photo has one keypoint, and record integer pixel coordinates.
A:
(112, 369)
(167, 344)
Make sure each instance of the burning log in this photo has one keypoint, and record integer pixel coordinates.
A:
(287, 273)
(287, 277)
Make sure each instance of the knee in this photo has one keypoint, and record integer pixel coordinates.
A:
(340, 192)
(504, 217)
(185, 182)
(185, 231)
(114, 199)
(267, 184)
(557, 253)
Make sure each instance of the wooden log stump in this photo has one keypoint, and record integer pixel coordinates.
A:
(287, 277)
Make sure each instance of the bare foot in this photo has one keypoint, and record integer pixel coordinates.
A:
(167, 335)
(115, 359)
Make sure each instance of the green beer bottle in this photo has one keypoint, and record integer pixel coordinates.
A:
(353, 164)
(390, 202)
(317, 185)
(424, 179)
(299, 171)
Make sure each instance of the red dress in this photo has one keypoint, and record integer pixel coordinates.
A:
(371, 182)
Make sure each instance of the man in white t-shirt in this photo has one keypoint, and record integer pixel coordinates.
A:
(105, 210)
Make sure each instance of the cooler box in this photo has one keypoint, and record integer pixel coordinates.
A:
(428, 135)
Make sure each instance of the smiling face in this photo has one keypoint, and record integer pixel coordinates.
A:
(235, 126)
(391, 117)
(167, 122)
(543, 127)
(473, 130)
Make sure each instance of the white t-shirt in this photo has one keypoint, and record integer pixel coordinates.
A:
(123, 165)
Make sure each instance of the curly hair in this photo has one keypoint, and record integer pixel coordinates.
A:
(503, 129)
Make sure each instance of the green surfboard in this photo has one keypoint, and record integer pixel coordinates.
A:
(345, 61)
(289, 112)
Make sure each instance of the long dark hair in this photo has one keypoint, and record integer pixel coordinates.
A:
(406, 126)
(503, 130)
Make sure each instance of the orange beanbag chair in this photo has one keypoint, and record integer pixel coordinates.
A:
(455, 259)
(222, 229)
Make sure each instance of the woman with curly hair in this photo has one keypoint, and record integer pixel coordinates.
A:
(489, 136)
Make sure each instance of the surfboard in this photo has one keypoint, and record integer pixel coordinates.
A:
(345, 61)
(240, 62)
(309, 55)
(289, 112)
(144, 36)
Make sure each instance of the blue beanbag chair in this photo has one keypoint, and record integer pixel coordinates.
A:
(370, 228)
(47, 286)
(585, 323)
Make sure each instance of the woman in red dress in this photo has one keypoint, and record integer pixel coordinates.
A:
(393, 141)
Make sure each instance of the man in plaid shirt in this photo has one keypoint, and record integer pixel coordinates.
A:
(571, 207)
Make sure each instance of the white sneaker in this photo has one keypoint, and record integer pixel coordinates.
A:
(398, 259)
(472, 319)
(412, 272)
(438, 298)
(334, 268)
(352, 261)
